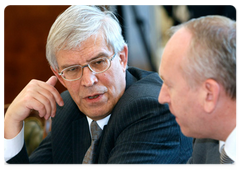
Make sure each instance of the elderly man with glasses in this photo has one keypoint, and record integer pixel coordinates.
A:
(109, 113)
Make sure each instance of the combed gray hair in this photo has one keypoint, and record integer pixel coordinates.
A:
(212, 53)
(76, 24)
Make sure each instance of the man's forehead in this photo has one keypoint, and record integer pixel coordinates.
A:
(175, 51)
(92, 43)
(177, 47)
(91, 48)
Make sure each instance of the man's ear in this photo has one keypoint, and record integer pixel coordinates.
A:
(211, 90)
(58, 76)
(123, 55)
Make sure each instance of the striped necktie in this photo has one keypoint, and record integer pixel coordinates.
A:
(91, 152)
(224, 159)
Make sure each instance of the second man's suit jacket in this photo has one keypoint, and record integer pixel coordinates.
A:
(205, 151)
(140, 130)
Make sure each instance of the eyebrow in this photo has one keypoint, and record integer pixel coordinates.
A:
(101, 54)
(67, 65)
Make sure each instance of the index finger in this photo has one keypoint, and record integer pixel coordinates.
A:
(52, 82)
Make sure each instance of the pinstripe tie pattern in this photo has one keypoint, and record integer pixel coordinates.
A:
(224, 159)
(96, 132)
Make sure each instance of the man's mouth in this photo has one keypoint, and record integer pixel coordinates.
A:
(93, 97)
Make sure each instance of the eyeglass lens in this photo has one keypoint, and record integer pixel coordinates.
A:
(97, 66)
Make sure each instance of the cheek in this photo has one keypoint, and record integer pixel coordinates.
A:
(74, 90)
(73, 86)
(105, 79)
(115, 82)
(186, 106)
(180, 104)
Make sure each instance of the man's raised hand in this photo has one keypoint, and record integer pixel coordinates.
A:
(37, 95)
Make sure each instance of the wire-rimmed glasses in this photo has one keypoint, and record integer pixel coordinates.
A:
(97, 65)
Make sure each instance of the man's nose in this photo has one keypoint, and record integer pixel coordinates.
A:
(88, 78)
(164, 96)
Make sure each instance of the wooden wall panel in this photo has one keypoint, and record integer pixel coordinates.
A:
(25, 34)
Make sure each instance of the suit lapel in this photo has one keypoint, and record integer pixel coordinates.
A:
(81, 139)
(99, 152)
(130, 79)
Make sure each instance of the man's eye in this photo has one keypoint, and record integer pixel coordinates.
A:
(72, 69)
(99, 61)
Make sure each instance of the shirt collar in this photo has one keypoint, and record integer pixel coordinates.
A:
(101, 123)
(230, 145)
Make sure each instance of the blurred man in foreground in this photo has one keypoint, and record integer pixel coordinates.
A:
(198, 69)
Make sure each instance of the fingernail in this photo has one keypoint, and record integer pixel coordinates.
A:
(52, 115)
(61, 103)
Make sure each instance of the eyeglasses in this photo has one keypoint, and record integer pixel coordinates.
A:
(75, 72)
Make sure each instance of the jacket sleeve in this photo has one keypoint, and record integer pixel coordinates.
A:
(20, 158)
(43, 154)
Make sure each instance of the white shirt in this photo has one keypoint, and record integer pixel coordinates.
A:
(13, 146)
(101, 123)
(230, 145)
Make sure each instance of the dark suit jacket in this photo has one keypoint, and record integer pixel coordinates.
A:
(140, 130)
(205, 151)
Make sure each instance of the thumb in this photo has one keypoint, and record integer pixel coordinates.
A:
(52, 80)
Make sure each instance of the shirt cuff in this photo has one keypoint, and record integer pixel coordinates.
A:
(13, 146)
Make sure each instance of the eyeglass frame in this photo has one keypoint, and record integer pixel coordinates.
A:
(87, 65)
